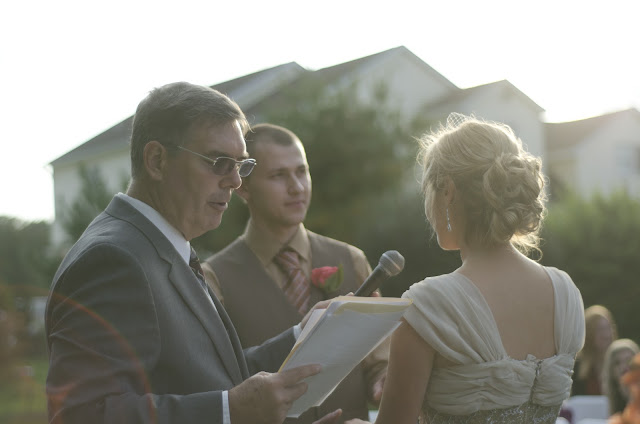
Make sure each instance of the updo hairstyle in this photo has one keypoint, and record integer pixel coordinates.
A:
(499, 184)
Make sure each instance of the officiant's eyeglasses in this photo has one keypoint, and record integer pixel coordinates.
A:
(223, 165)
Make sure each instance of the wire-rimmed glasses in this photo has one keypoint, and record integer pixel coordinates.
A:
(223, 165)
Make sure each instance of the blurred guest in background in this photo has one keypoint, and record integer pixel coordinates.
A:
(600, 332)
(616, 363)
(631, 380)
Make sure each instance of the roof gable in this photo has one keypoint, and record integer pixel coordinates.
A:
(334, 73)
(115, 138)
(118, 136)
(343, 73)
(461, 95)
(566, 134)
(232, 85)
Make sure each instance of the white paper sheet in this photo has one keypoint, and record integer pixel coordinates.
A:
(344, 334)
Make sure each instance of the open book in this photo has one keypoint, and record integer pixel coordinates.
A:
(338, 338)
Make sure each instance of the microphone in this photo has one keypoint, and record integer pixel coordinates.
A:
(390, 264)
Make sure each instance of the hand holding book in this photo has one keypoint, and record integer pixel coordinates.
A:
(338, 338)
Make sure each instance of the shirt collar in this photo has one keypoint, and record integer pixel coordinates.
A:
(174, 236)
(266, 248)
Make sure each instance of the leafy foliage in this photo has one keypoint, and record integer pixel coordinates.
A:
(23, 399)
(93, 198)
(357, 151)
(400, 224)
(362, 160)
(25, 258)
(26, 267)
(597, 241)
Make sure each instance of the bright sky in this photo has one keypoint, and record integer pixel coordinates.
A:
(72, 69)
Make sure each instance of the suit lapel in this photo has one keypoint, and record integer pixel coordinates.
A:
(189, 288)
(233, 338)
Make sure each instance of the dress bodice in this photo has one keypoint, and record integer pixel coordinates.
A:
(452, 316)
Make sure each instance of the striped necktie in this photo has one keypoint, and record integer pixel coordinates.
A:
(194, 264)
(297, 287)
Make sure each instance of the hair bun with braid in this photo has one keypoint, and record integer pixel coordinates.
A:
(500, 184)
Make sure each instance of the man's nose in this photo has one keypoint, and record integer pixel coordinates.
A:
(234, 179)
(296, 184)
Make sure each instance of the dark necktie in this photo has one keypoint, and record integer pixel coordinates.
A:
(194, 264)
(297, 287)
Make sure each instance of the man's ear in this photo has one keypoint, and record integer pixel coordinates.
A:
(154, 158)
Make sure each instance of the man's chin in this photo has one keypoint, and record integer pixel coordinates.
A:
(216, 223)
(296, 219)
(211, 225)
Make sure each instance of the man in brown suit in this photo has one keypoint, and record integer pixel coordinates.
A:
(255, 286)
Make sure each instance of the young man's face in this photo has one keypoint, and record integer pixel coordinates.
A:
(278, 192)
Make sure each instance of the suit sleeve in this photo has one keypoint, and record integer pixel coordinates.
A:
(270, 355)
(103, 337)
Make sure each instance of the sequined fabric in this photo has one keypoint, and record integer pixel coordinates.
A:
(527, 413)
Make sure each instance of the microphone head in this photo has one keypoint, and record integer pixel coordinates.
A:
(392, 262)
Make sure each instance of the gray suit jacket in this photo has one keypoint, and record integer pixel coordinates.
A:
(132, 336)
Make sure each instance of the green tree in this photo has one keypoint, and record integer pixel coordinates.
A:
(357, 151)
(25, 257)
(362, 160)
(93, 198)
(597, 241)
(400, 224)
(26, 269)
(10, 328)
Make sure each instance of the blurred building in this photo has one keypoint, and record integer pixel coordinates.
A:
(596, 155)
(413, 87)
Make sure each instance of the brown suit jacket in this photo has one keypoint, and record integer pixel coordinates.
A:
(259, 309)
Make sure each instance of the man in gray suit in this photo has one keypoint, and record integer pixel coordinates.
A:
(249, 275)
(134, 335)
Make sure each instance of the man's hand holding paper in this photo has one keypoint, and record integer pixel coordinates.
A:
(338, 339)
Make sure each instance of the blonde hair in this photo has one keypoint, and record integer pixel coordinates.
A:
(500, 184)
(588, 355)
(610, 382)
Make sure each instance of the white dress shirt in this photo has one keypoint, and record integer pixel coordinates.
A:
(183, 247)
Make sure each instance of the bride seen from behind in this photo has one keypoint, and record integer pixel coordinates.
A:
(495, 340)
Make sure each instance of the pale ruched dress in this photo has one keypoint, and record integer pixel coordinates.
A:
(485, 385)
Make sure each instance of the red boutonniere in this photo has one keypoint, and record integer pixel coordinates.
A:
(327, 278)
